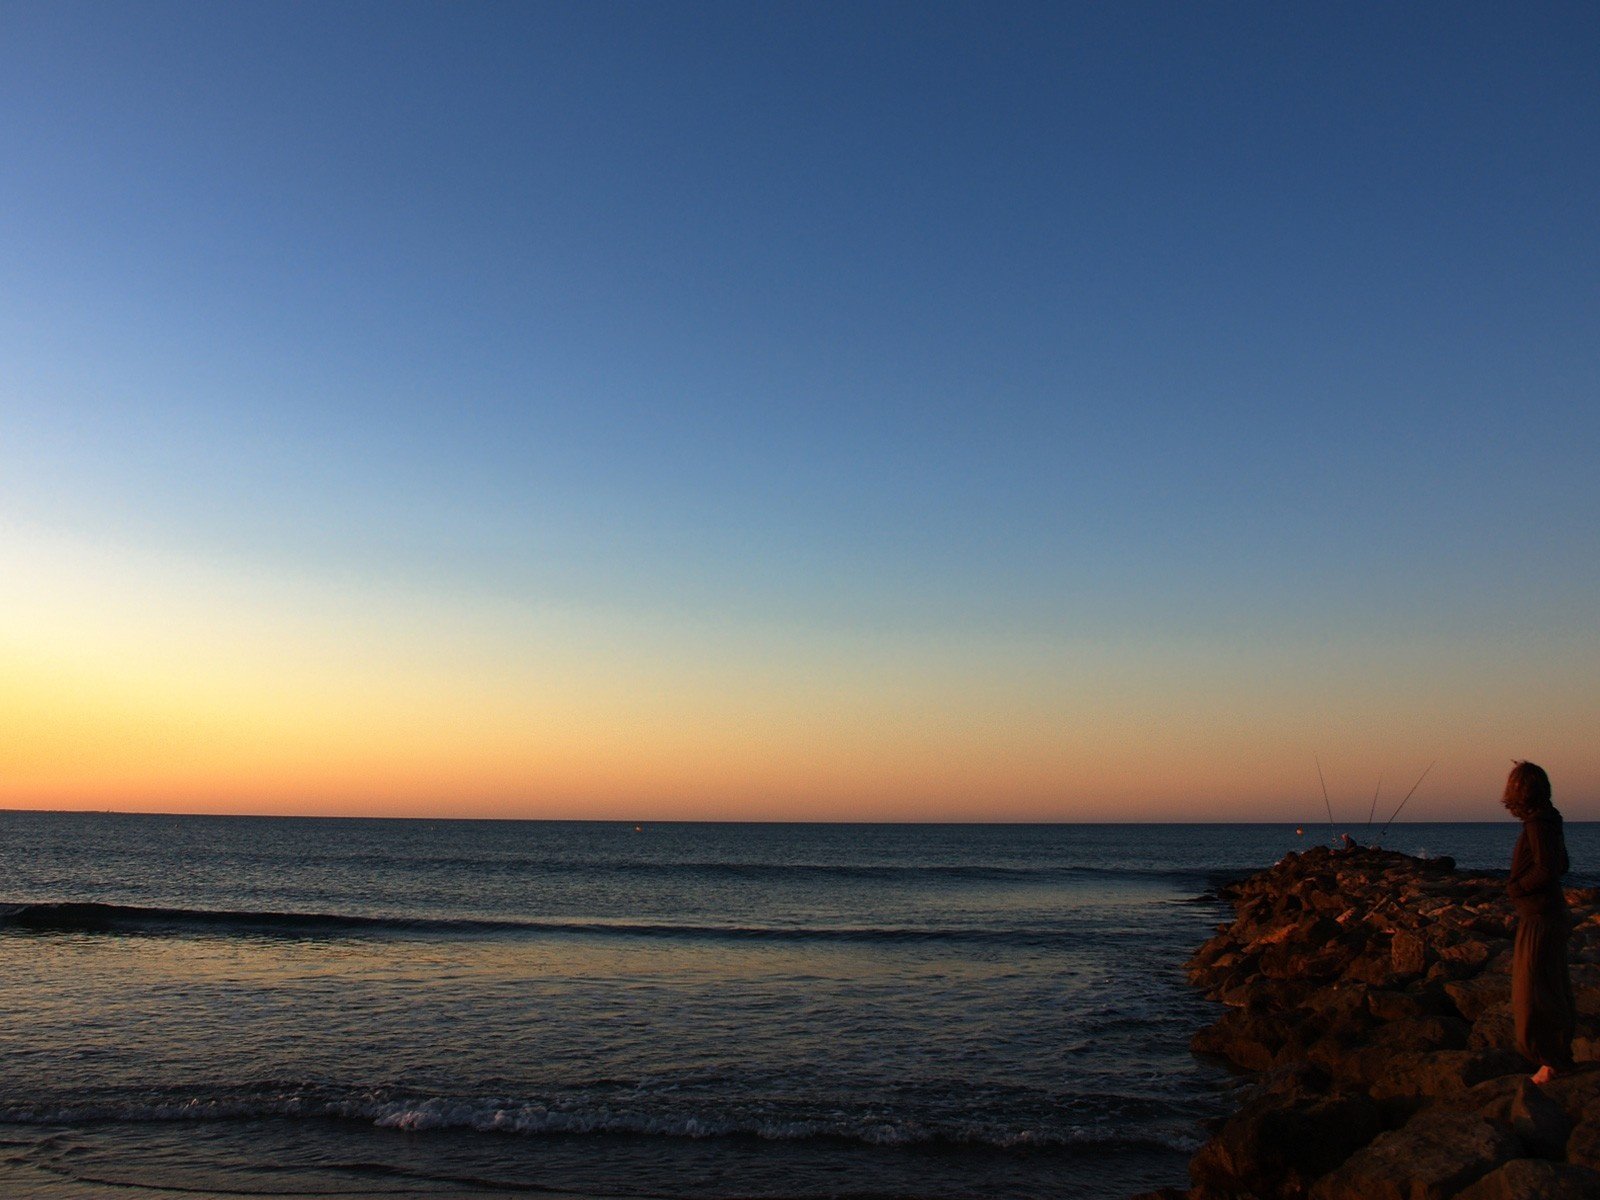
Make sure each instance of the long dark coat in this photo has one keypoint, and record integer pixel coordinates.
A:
(1541, 985)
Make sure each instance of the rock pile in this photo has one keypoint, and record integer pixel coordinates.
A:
(1370, 993)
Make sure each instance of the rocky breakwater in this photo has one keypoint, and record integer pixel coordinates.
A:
(1369, 993)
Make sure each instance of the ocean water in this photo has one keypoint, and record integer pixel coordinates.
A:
(249, 1006)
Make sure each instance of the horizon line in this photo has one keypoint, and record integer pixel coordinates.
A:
(116, 812)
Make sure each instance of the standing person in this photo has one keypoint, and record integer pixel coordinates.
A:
(1541, 987)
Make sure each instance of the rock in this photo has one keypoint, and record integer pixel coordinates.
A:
(1373, 968)
(1342, 1057)
(1311, 952)
(1388, 1005)
(1500, 964)
(1210, 956)
(1494, 1029)
(1531, 1179)
(1370, 989)
(1433, 1074)
(1585, 995)
(1408, 953)
(1473, 997)
(1539, 1122)
(1246, 1038)
(1299, 1078)
(1328, 962)
(1423, 1033)
(1583, 1147)
(1433, 1157)
(1578, 1093)
(1471, 953)
(1501, 926)
(1278, 1143)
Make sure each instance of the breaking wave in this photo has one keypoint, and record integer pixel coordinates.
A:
(419, 1114)
(96, 918)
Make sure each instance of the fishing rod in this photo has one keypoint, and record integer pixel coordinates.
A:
(1373, 811)
(1408, 795)
(1326, 802)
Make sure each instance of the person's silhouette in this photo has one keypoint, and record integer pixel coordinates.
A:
(1541, 984)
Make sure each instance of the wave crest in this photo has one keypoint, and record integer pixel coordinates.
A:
(527, 1118)
(73, 917)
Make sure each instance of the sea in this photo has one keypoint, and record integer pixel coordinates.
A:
(296, 1007)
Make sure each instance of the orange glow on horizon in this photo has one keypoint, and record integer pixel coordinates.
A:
(197, 691)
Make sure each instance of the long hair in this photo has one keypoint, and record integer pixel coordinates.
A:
(1527, 791)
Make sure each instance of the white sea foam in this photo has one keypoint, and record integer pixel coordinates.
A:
(504, 1116)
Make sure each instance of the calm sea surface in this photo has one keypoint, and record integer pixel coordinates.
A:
(451, 1008)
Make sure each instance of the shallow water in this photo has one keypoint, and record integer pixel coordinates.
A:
(451, 1008)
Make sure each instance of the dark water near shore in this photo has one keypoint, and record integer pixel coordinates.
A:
(332, 1007)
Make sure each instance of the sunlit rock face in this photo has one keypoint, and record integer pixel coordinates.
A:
(1370, 993)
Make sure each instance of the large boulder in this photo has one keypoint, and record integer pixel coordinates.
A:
(1245, 1037)
(1409, 955)
(1433, 1074)
(1279, 1142)
(1432, 1157)
(1494, 1027)
(1532, 1179)
(1473, 997)
(1386, 1004)
(1578, 1093)
(1586, 989)
(1583, 1146)
(1540, 1123)
(1422, 1033)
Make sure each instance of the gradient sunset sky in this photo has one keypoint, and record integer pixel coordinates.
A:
(839, 411)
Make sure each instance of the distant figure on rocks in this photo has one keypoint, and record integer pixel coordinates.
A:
(1541, 985)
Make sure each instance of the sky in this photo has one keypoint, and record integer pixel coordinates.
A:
(798, 410)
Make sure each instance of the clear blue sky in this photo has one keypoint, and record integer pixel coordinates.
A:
(1247, 354)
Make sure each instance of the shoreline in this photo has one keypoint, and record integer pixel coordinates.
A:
(1368, 994)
